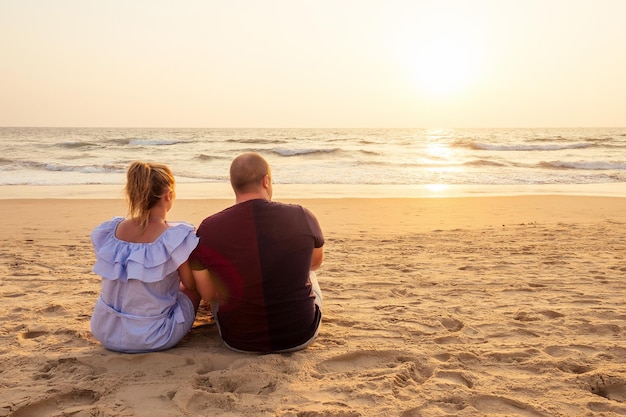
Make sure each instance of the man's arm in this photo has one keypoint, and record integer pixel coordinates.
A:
(204, 282)
(318, 239)
(317, 258)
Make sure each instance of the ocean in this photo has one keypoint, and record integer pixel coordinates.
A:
(327, 162)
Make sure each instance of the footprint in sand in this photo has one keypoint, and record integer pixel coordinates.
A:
(224, 385)
(610, 387)
(66, 368)
(574, 366)
(491, 404)
(331, 413)
(31, 334)
(216, 362)
(69, 403)
(484, 404)
(451, 324)
(452, 377)
(259, 376)
(449, 340)
(404, 370)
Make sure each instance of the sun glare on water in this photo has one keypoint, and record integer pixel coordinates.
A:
(438, 151)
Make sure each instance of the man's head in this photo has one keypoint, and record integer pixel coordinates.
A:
(250, 174)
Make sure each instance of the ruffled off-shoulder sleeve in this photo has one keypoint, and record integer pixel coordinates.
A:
(148, 262)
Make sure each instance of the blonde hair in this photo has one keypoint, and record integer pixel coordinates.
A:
(146, 182)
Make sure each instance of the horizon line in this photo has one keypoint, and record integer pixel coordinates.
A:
(308, 128)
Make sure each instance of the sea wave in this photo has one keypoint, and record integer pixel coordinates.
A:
(484, 162)
(585, 165)
(258, 141)
(87, 169)
(369, 153)
(434, 162)
(76, 145)
(526, 147)
(303, 152)
(49, 166)
(119, 141)
(205, 157)
(154, 142)
(188, 176)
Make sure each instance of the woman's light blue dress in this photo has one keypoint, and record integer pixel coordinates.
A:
(141, 308)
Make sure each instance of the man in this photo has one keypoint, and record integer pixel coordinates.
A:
(255, 263)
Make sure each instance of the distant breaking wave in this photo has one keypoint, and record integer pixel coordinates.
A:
(76, 145)
(258, 141)
(369, 153)
(589, 165)
(298, 152)
(87, 169)
(484, 162)
(142, 142)
(524, 147)
(154, 142)
(205, 157)
(435, 163)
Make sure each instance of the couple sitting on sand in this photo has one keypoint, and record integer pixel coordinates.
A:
(254, 262)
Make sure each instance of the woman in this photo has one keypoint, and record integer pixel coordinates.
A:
(142, 260)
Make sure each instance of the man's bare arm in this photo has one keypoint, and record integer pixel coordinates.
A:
(204, 284)
(317, 258)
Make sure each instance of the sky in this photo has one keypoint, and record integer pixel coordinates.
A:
(313, 64)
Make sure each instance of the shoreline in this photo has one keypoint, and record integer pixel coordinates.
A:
(203, 191)
(339, 217)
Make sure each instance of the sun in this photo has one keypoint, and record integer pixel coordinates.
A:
(443, 55)
(442, 67)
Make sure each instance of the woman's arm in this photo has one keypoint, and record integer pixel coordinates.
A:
(186, 277)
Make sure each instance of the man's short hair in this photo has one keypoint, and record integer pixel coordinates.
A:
(247, 171)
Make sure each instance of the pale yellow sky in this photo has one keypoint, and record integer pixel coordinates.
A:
(317, 63)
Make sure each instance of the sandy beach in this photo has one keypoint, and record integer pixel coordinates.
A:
(502, 306)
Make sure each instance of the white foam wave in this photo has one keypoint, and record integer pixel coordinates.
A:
(589, 165)
(85, 169)
(153, 142)
(527, 147)
(296, 152)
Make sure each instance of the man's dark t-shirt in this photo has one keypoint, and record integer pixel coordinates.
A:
(259, 254)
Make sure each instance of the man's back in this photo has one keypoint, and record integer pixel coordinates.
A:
(259, 254)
